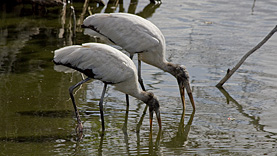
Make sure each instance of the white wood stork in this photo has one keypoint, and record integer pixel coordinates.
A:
(138, 35)
(105, 63)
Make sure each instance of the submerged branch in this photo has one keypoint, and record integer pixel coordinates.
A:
(231, 72)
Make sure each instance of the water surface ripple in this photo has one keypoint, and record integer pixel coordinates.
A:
(207, 36)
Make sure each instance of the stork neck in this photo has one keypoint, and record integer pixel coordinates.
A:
(137, 93)
(168, 67)
(143, 96)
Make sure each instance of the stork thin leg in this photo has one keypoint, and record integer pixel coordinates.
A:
(131, 56)
(124, 128)
(101, 107)
(79, 128)
(139, 75)
(139, 72)
(127, 101)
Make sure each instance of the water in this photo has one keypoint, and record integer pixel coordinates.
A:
(207, 36)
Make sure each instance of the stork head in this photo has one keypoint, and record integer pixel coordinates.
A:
(154, 106)
(182, 77)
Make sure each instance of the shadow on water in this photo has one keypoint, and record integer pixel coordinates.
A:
(36, 139)
(51, 114)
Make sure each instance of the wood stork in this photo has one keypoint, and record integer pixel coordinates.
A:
(105, 63)
(138, 35)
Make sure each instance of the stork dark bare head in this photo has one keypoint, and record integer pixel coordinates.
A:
(181, 74)
(154, 105)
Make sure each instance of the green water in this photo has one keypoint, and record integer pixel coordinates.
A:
(36, 112)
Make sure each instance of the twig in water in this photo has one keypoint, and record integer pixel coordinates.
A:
(231, 72)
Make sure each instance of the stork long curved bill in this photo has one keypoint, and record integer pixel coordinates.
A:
(182, 86)
(151, 112)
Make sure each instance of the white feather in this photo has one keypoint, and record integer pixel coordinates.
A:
(107, 63)
(126, 30)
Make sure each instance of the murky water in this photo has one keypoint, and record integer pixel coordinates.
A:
(207, 36)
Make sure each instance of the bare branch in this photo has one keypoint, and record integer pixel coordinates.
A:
(231, 72)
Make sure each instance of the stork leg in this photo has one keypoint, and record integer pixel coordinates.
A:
(101, 107)
(131, 56)
(139, 75)
(79, 128)
(139, 72)
(127, 101)
(127, 96)
(124, 128)
(143, 88)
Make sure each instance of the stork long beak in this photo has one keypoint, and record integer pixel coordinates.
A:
(151, 112)
(182, 86)
(159, 118)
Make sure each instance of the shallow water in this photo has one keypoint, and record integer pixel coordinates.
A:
(207, 36)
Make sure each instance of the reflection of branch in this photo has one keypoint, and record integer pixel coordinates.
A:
(100, 2)
(148, 10)
(74, 20)
(132, 6)
(155, 1)
(70, 33)
(81, 17)
(111, 6)
(95, 9)
(231, 72)
(63, 17)
(121, 6)
(255, 121)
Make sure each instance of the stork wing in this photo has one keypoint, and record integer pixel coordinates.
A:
(98, 61)
(131, 32)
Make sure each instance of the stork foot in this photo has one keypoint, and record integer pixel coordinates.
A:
(79, 131)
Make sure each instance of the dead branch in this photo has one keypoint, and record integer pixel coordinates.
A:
(231, 72)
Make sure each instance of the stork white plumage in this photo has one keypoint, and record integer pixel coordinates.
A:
(105, 63)
(138, 35)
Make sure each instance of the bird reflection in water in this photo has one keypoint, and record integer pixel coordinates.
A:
(181, 138)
